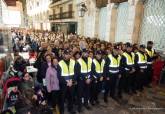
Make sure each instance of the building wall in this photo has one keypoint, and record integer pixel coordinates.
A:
(102, 23)
(65, 24)
(3, 12)
(38, 14)
(12, 16)
(122, 23)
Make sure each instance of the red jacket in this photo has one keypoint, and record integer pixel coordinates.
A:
(157, 68)
(1, 68)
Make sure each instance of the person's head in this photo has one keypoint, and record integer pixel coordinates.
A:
(102, 46)
(116, 50)
(91, 54)
(98, 54)
(142, 48)
(149, 44)
(77, 55)
(85, 53)
(48, 58)
(55, 61)
(128, 47)
(26, 76)
(66, 54)
(49, 49)
(66, 45)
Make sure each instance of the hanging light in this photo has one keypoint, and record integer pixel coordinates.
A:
(82, 9)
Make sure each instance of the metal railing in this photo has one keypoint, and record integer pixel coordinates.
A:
(64, 15)
(54, 1)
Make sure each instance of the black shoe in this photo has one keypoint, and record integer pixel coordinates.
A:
(92, 103)
(148, 86)
(97, 102)
(79, 110)
(105, 100)
(120, 96)
(134, 92)
(114, 98)
(72, 112)
(87, 107)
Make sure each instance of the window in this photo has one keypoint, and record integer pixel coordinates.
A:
(37, 3)
(70, 7)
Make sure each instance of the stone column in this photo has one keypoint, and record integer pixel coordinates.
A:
(138, 21)
(0, 12)
(134, 20)
(96, 26)
(113, 22)
(81, 25)
(111, 17)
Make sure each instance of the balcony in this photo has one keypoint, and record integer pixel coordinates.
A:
(64, 15)
(54, 1)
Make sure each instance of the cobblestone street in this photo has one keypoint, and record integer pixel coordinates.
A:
(151, 103)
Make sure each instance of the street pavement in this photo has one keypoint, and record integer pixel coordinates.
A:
(150, 102)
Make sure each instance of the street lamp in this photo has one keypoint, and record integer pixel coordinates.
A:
(82, 9)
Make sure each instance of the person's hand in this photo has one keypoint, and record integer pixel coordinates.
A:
(43, 103)
(88, 81)
(49, 91)
(34, 97)
(141, 71)
(108, 78)
(119, 76)
(69, 83)
(101, 78)
(132, 71)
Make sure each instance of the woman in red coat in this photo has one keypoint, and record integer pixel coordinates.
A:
(157, 68)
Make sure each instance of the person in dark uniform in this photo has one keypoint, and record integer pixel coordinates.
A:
(150, 57)
(66, 75)
(97, 77)
(127, 81)
(83, 69)
(112, 73)
(141, 67)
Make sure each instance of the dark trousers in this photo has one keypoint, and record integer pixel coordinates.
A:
(131, 82)
(96, 88)
(110, 86)
(140, 80)
(68, 94)
(54, 98)
(83, 92)
(122, 86)
(149, 74)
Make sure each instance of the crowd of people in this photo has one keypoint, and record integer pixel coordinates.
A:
(76, 71)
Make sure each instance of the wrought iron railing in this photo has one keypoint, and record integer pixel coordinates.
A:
(64, 15)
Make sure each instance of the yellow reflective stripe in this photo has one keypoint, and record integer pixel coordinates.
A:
(84, 67)
(150, 53)
(129, 59)
(71, 67)
(114, 62)
(89, 64)
(65, 71)
(142, 58)
(99, 68)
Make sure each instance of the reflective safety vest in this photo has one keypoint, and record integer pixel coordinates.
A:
(67, 71)
(114, 64)
(142, 61)
(150, 53)
(85, 67)
(130, 59)
(99, 67)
